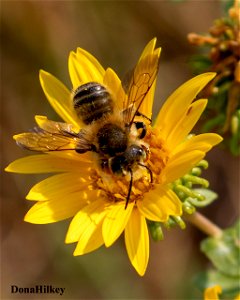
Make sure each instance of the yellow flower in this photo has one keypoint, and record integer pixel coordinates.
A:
(211, 293)
(96, 199)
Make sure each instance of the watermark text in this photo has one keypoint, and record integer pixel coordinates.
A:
(38, 289)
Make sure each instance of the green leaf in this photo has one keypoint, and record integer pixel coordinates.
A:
(224, 251)
(209, 196)
(230, 285)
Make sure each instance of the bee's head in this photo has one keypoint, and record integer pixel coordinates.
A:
(133, 155)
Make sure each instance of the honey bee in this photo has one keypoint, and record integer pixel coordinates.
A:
(114, 135)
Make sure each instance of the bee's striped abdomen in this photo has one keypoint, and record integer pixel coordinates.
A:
(92, 102)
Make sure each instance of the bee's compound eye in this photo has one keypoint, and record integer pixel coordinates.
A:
(135, 153)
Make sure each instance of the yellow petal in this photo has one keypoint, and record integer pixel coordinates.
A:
(147, 65)
(88, 214)
(46, 163)
(180, 165)
(59, 97)
(90, 240)
(159, 204)
(86, 227)
(58, 186)
(146, 107)
(96, 67)
(186, 123)
(212, 293)
(179, 101)
(78, 74)
(137, 241)
(149, 48)
(115, 222)
(54, 210)
(83, 68)
(202, 142)
(113, 84)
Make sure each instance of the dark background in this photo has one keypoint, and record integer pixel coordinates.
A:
(39, 35)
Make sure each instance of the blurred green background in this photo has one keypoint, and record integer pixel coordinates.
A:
(39, 35)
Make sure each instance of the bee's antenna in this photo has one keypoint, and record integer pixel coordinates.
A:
(130, 188)
(149, 171)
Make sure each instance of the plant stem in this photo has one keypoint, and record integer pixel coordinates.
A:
(204, 224)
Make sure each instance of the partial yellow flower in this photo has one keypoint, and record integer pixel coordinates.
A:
(95, 199)
(212, 293)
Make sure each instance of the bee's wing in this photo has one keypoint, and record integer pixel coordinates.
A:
(53, 136)
(142, 79)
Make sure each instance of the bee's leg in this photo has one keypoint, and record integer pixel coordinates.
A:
(105, 165)
(138, 114)
(85, 149)
(149, 171)
(130, 188)
(141, 125)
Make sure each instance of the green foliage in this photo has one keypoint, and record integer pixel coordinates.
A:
(214, 122)
(217, 54)
(209, 197)
(191, 197)
(235, 139)
(199, 63)
(227, 4)
(155, 230)
(224, 253)
(230, 285)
